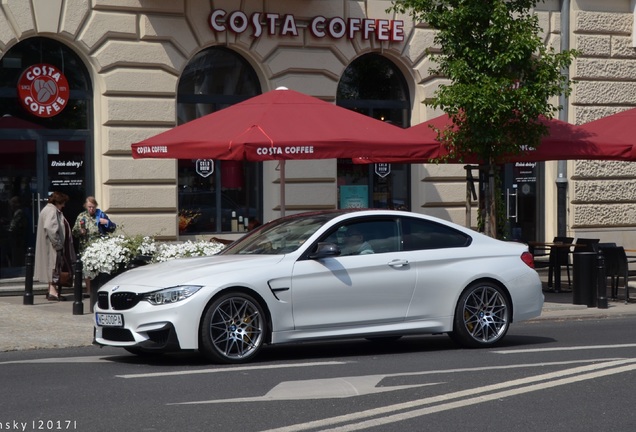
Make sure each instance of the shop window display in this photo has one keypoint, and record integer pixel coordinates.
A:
(226, 197)
(373, 85)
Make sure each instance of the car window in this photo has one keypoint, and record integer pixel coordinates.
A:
(365, 237)
(418, 234)
(278, 237)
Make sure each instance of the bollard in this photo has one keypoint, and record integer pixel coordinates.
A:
(28, 279)
(601, 297)
(78, 305)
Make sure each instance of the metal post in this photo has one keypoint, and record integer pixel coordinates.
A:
(28, 279)
(78, 305)
(471, 194)
(562, 185)
(601, 297)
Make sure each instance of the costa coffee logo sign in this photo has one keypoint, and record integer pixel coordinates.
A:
(43, 90)
(320, 27)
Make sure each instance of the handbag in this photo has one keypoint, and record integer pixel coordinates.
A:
(66, 279)
(64, 272)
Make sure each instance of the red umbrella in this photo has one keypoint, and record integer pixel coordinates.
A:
(279, 125)
(620, 126)
(564, 141)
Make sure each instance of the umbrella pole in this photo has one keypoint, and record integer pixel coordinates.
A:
(282, 187)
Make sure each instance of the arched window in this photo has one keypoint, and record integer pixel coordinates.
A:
(373, 85)
(216, 78)
(38, 50)
(46, 140)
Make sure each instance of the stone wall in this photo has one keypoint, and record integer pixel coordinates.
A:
(603, 194)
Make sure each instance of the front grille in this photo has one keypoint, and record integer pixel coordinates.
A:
(117, 334)
(102, 300)
(124, 300)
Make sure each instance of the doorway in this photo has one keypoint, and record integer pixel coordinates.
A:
(521, 187)
(45, 140)
(34, 163)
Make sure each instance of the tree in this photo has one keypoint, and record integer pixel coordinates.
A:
(502, 79)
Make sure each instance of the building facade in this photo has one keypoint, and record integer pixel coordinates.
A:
(125, 70)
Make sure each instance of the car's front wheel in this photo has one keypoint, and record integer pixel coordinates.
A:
(233, 329)
(482, 316)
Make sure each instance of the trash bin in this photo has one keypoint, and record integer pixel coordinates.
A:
(584, 278)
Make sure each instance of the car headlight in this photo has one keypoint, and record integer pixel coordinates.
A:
(171, 295)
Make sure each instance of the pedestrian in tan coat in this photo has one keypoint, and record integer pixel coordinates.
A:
(53, 235)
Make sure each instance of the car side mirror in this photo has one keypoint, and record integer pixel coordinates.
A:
(324, 250)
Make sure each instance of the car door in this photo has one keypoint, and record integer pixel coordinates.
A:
(443, 261)
(355, 290)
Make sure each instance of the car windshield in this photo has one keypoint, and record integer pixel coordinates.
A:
(280, 236)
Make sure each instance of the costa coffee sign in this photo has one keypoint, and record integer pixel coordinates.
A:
(43, 90)
(320, 27)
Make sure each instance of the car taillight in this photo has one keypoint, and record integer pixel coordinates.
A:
(527, 258)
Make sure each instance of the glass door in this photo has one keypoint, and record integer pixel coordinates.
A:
(66, 173)
(32, 165)
(520, 189)
(18, 205)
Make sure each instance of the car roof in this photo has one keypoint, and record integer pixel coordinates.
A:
(334, 213)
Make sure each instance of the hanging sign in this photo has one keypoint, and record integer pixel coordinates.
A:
(43, 90)
(205, 167)
(383, 169)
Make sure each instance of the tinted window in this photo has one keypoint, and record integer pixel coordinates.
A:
(421, 234)
(280, 236)
(363, 237)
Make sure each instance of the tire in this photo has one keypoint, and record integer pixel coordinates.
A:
(482, 316)
(233, 329)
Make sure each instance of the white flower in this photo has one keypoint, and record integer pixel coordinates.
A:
(114, 253)
(168, 251)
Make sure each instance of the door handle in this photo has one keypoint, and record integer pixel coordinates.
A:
(514, 196)
(398, 263)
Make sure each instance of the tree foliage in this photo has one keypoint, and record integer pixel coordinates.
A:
(502, 74)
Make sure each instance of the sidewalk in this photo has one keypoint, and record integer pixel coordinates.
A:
(47, 324)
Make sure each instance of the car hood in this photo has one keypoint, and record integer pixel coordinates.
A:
(195, 271)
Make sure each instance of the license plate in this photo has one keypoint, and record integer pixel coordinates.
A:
(109, 320)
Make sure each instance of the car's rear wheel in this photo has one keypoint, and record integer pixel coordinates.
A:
(482, 316)
(233, 329)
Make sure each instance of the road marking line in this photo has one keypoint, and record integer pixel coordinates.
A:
(479, 399)
(551, 379)
(59, 360)
(330, 388)
(574, 348)
(229, 369)
(326, 388)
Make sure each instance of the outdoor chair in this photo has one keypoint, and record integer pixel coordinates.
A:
(558, 257)
(617, 267)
